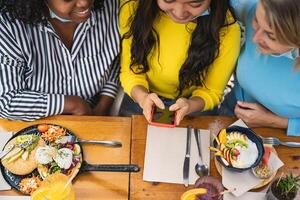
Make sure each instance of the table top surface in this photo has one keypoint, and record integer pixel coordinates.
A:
(93, 185)
(132, 133)
(140, 189)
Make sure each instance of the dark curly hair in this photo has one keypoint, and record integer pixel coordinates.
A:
(205, 40)
(32, 11)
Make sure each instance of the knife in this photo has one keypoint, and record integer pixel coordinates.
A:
(186, 164)
(6, 151)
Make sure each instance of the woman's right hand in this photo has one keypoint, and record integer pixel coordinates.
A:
(147, 104)
(146, 100)
(75, 105)
(256, 115)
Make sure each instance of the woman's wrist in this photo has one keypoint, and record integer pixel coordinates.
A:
(71, 102)
(103, 106)
(195, 104)
(278, 122)
(139, 94)
(75, 105)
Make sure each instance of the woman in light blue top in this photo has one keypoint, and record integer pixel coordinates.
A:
(267, 90)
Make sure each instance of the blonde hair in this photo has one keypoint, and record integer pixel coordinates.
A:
(284, 18)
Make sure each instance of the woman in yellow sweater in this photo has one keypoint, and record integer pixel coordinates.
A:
(177, 53)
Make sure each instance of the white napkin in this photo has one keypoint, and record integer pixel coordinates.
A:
(14, 197)
(165, 151)
(235, 180)
(4, 137)
(239, 123)
(246, 196)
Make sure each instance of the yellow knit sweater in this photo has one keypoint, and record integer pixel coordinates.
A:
(165, 63)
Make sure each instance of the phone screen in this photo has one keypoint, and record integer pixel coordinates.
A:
(163, 116)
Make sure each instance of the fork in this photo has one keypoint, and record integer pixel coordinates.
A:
(276, 141)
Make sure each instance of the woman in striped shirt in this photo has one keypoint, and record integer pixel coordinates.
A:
(58, 57)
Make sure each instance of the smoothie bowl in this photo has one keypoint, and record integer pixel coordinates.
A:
(206, 188)
(238, 148)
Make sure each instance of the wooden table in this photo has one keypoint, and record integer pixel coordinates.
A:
(93, 185)
(132, 134)
(141, 190)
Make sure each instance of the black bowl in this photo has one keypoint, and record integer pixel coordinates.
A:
(251, 136)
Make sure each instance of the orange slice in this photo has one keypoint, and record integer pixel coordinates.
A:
(193, 193)
(222, 136)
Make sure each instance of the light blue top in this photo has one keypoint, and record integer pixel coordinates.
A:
(242, 7)
(268, 80)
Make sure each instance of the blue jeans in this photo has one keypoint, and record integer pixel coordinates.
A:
(129, 107)
(227, 106)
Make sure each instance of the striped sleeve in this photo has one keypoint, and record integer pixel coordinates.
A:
(111, 87)
(16, 102)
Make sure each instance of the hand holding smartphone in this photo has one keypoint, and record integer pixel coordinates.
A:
(163, 117)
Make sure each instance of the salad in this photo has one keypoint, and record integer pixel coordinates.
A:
(59, 155)
(36, 156)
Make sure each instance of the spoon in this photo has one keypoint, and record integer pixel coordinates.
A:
(73, 139)
(200, 168)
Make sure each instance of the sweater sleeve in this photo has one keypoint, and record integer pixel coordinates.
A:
(293, 127)
(128, 78)
(221, 69)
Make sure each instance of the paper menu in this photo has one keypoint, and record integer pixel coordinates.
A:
(4, 137)
(14, 198)
(165, 152)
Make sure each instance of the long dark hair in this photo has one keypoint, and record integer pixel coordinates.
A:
(205, 40)
(32, 11)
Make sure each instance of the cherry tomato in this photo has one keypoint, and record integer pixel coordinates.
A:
(43, 128)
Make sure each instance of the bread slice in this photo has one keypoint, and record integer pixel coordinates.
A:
(21, 166)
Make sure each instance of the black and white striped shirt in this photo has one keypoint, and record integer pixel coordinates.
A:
(37, 70)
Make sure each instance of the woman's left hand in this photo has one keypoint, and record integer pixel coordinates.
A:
(255, 115)
(181, 107)
(103, 106)
(184, 106)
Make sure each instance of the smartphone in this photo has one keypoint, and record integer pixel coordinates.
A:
(163, 117)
